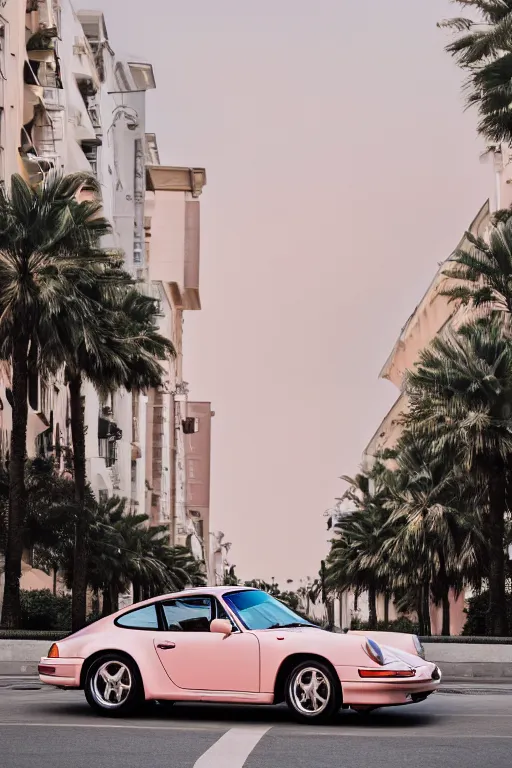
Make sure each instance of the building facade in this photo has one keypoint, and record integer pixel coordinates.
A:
(434, 315)
(69, 103)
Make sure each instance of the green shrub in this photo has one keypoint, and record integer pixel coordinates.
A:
(41, 610)
(477, 611)
(402, 624)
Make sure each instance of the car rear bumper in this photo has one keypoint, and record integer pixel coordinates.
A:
(391, 692)
(61, 672)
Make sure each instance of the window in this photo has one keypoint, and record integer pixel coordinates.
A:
(142, 618)
(259, 610)
(188, 614)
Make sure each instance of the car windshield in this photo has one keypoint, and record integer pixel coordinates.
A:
(259, 610)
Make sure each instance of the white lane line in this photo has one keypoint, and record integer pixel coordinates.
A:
(110, 726)
(232, 749)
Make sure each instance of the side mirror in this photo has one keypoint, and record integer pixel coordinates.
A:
(221, 626)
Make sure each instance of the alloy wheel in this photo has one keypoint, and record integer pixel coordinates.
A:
(111, 684)
(310, 691)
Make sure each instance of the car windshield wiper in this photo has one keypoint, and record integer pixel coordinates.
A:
(290, 625)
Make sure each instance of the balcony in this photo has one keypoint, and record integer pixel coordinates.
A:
(41, 18)
(164, 178)
(43, 66)
(108, 430)
(32, 97)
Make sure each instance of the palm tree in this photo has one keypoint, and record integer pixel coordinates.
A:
(123, 549)
(483, 271)
(429, 514)
(183, 569)
(460, 396)
(355, 558)
(483, 47)
(230, 578)
(121, 349)
(46, 242)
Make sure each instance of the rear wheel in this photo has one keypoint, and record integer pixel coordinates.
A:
(313, 694)
(113, 686)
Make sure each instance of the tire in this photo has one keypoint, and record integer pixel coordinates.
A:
(126, 694)
(313, 702)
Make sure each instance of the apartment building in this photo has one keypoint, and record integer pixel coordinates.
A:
(433, 315)
(68, 102)
(178, 431)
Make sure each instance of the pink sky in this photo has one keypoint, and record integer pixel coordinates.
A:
(341, 170)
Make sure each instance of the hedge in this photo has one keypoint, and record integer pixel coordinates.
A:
(27, 634)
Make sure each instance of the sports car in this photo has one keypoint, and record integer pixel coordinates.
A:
(235, 645)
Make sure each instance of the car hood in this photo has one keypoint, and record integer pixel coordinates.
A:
(333, 645)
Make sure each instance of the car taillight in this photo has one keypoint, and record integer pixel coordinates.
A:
(53, 653)
(366, 673)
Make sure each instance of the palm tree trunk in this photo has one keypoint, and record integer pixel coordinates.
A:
(137, 592)
(386, 607)
(497, 598)
(445, 629)
(426, 608)
(372, 606)
(11, 609)
(106, 608)
(421, 618)
(114, 592)
(79, 595)
(445, 594)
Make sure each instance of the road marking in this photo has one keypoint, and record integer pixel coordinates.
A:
(106, 726)
(280, 730)
(233, 748)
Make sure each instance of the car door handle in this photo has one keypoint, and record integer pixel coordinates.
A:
(166, 646)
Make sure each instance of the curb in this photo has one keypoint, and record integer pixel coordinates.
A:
(477, 691)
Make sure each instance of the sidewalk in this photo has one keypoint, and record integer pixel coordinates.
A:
(477, 686)
(27, 682)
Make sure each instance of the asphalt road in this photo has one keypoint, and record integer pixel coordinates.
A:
(46, 728)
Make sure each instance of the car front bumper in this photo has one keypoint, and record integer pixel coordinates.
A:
(390, 692)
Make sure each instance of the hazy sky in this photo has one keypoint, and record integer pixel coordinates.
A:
(341, 169)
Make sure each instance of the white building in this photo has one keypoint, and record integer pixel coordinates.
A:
(68, 102)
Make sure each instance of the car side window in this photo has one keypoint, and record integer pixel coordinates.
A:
(141, 618)
(188, 614)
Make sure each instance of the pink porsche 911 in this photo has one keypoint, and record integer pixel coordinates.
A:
(235, 645)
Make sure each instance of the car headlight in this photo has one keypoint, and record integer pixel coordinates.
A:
(419, 648)
(374, 652)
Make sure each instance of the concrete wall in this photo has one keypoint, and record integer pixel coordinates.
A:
(456, 660)
(21, 657)
(471, 660)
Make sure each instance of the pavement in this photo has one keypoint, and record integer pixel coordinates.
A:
(41, 727)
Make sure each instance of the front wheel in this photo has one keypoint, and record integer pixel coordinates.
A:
(113, 686)
(313, 694)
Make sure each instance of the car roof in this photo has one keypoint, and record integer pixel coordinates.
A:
(210, 591)
(213, 591)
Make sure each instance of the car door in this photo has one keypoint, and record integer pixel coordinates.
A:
(196, 659)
